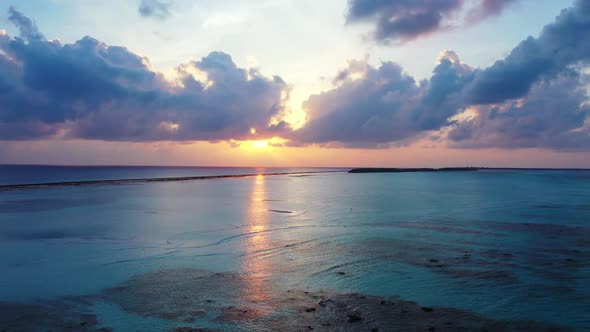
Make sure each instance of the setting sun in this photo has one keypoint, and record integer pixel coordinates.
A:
(264, 145)
(260, 144)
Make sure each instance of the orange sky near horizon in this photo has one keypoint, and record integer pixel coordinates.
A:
(259, 154)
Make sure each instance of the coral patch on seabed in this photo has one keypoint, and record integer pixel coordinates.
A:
(48, 316)
(194, 300)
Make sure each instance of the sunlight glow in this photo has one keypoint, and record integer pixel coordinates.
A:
(260, 144)
(267, 145)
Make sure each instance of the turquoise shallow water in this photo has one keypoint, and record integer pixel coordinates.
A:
(508, 245)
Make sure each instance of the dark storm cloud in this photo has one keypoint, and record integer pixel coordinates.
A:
(535, 97)
(402, 20)
(92, 90)
(154, 8)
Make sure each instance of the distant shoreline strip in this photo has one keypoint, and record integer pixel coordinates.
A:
(409, 170)
(457, 169)
(144, 180)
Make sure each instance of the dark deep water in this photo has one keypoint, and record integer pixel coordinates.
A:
(504, 250)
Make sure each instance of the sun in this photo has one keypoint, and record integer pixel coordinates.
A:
(263, 145)
(260, 144)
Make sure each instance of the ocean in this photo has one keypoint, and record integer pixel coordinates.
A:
(488, 249)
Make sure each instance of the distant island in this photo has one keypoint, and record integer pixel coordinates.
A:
(405, 170)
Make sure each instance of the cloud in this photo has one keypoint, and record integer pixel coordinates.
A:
(561, 45)
(486, 9)
(91, 90)
(375, 106)
(28, 29)
(554, 115)
(404, 20)
(370, 109)
(535, 97)
(154, 8)
(442, 94)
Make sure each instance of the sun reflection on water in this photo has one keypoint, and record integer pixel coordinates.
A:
(255, 263)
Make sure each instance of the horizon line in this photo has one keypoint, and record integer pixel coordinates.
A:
(320, 167)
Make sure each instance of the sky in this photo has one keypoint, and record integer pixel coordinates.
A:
(404, 83)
